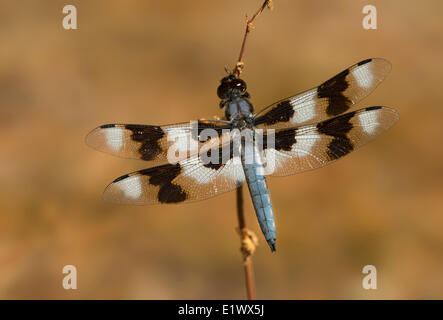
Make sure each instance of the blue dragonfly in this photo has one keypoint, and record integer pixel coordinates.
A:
(200, 159)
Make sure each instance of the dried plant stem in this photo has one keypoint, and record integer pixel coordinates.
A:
(244, 235)
(248, 238)
(249, 26)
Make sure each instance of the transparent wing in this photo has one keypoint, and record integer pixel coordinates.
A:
(188, 180)
(157, 143)
(331, 98)
(313, 146)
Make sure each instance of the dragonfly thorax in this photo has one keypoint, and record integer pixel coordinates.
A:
(234, 97)
(239, 108)
(243, 123)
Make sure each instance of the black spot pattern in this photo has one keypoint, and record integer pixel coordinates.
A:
(223, 156)
(283, 139)
(339, 147)
(372, 108)
(106, 126)
(149, 137)
(162, 176)
(202, 125)
(338, 128)
(121, 178)
(333, 90)
(282, 112)
(364, 62)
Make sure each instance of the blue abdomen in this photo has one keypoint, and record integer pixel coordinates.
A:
(258, 189)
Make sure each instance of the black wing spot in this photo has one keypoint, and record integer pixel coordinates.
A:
(121, 178)
(149, 137)
(339, 147)
(106, 126)
(338, 128)
(282, 112)
(224, 154)
(172, 194)
(333, 90)
(202, 125)
(372, 108)
(283, 139)
(162, 176)
(364, 62)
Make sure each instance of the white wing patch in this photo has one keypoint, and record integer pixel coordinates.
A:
(181, 139)
(203, 175)
(271, 161)
(131, 187)
(304, 144)
(304, 107)
(114, 138)
(368, 121)
(234, 170)
(363, 75)
(198, 172)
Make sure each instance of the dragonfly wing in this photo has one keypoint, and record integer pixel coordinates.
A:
(334, 97)
(157, 143)
(313, 146)
(188, 180)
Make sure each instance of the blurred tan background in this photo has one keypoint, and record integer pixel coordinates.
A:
(159, 62)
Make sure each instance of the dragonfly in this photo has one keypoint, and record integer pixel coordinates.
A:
(302, 132)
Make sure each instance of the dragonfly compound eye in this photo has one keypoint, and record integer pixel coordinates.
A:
(239, 84)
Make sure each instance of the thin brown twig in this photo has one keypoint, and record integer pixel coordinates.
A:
(249, 26)
(247, 248)
(248, 238)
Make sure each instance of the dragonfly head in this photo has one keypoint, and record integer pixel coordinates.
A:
(231, 87)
